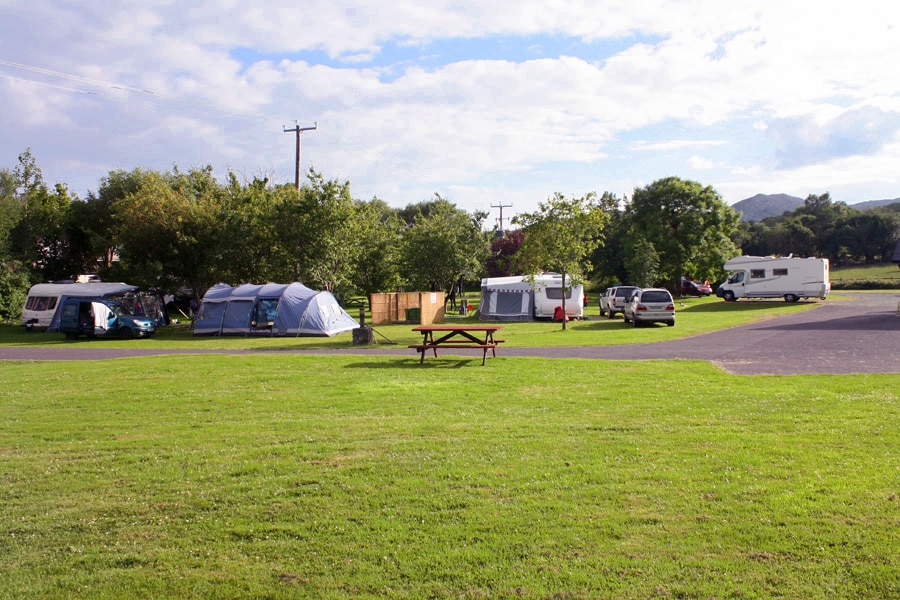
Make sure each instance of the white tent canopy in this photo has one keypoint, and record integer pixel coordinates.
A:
(270, 309)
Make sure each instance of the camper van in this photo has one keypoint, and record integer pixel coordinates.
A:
(519, 299)
(775, 277)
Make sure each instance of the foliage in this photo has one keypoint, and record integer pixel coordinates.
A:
(377, 266)
(688, 225)
(560, 236)
(442, 245)
(14, 283)
(501, 262)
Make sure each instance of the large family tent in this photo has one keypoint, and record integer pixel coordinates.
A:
(270, 309)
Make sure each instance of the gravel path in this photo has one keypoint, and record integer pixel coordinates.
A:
(853, 333)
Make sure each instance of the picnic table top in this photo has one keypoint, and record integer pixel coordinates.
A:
(457, 328)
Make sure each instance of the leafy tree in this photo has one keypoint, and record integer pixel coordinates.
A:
(689, 226)
(39, 239)
(642, 262)
(609, 258)
(443, 246)
(317, 233)
(168, 231)
(14, 282)
(10, 211)
(560, 236)
(377, 267)
(501, 261)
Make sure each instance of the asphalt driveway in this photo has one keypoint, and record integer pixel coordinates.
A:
(852, 332)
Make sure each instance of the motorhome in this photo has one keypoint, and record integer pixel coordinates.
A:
(524, 298)
(776, 277)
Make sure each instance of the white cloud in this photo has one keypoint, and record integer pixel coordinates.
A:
(637, 90)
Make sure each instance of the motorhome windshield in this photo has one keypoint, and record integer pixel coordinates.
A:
(737, 277)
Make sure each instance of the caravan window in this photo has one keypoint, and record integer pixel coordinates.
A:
(779, 272)
(757, 273)
(556, 293)
(40, 303)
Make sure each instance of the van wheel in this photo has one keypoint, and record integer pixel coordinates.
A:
(125, 333)
(728, 296)
(791, 298)
(71, 336)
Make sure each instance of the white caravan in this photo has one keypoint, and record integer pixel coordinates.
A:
(518, 299)
(775, 277)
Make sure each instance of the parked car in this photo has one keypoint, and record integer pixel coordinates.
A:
(649, 305)
(102, 318)
(689, 287)
(617, 298)
(604, 300)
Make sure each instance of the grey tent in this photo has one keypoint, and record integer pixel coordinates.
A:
(270, 309)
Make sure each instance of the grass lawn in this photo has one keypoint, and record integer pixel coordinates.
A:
(375, 477)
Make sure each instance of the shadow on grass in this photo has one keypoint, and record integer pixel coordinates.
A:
(740, 306)
(430, 363)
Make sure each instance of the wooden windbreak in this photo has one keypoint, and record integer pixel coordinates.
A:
(404, 307)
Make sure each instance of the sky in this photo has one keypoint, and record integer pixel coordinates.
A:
(485, 103)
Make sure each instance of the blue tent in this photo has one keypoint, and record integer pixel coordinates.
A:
(270, 309)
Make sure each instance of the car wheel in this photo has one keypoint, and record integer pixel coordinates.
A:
(791, 298)
(636, 323)
(610, 314)
(671, 323)
(125, 333)
(71, 336)
(728, 296)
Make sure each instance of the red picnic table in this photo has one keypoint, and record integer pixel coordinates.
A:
(458, 336)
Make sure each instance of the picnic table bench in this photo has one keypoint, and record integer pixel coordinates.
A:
(480, 337)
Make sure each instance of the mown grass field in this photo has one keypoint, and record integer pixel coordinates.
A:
(304, 476)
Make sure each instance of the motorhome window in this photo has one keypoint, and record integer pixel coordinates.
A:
(757, 273)
(779, 272)
(556, 293)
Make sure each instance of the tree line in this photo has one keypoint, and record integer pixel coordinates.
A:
(183, 231)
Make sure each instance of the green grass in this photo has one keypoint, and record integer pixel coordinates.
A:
(879, 276)
(376, 477)
(693, 316)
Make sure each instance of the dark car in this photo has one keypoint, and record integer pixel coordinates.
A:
(102, 318)
(689, 287)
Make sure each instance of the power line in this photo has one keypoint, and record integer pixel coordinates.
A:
(501, 206)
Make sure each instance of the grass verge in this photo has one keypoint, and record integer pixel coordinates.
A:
(349, 476)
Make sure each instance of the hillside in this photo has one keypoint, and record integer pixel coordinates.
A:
(761, 206)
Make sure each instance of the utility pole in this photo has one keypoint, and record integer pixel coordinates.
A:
(501, 206)
(298, 130)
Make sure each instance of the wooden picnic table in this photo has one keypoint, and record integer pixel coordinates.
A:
(457, 336)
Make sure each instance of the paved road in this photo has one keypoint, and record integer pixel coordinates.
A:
(850, 333)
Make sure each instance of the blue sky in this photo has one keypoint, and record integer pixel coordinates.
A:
(484, 103)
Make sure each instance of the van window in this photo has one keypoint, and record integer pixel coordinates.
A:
(779, 272)
(757, 273)
(556, 293)
(737, 277)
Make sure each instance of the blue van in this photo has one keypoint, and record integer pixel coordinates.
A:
(102, 318)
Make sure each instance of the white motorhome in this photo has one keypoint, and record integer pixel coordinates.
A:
(520, 299)
(775, 277)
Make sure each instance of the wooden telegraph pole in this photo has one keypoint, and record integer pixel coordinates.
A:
(298, 130)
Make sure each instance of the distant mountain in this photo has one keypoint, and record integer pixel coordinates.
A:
(874, 204)
(761, 206)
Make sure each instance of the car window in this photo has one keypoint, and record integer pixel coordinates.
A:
(653, 296)
(625, 292)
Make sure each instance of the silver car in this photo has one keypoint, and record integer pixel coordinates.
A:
(649, 305)
(616, 298)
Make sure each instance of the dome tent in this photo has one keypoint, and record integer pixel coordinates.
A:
(270, 309)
